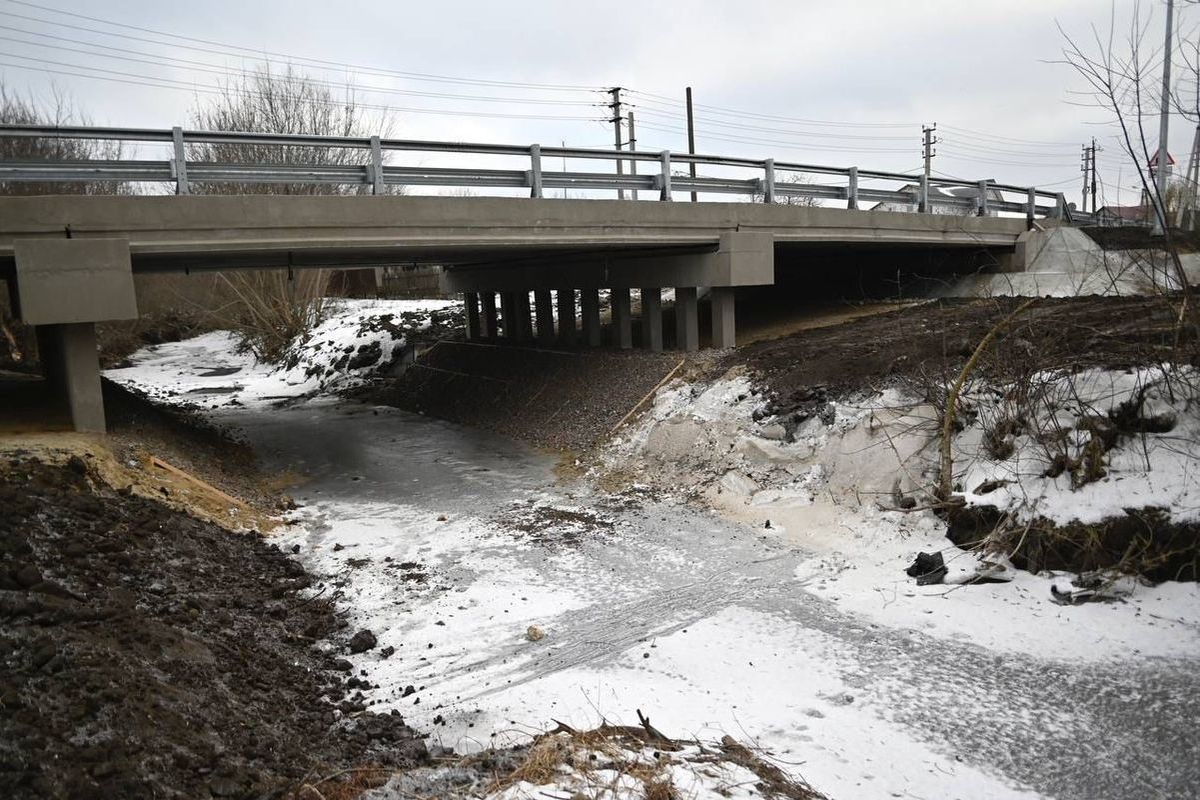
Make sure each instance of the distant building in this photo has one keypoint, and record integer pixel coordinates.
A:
(1123, 215)
(941, 200)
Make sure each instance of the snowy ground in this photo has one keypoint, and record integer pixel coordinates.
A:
(352, 343)
(805, 639)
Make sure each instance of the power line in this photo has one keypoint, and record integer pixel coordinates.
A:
(783, 131)
(720, 110)
(718, 136)
(205, 66)
(260, 53)
(989, 136)
(169, 83)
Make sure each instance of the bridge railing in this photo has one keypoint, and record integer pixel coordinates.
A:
(766, 180)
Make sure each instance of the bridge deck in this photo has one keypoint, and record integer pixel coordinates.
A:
(172, 233)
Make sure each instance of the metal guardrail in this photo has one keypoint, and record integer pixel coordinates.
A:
(375, 175)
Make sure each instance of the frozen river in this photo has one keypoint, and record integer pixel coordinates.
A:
(449, 543)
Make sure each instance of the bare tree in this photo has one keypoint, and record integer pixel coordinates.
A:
(793, 180)
(271, 309)
(1117, 73)
(269, 100)
(59, 109)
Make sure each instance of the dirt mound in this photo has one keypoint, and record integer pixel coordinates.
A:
(928, 341)
(562, 400)
(149, 654)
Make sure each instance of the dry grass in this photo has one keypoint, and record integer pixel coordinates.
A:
(609, 760)
(270, 309)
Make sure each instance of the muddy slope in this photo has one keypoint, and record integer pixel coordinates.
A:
(148, 654)
(924, 343)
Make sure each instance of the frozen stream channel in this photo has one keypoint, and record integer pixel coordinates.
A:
(699, 623)
(449, 543)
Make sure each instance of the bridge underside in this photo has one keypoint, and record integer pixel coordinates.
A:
(545, 271)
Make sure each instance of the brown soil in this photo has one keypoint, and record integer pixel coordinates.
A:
(557, 399)
(1137, 237)
(922, 343)
(150, 654)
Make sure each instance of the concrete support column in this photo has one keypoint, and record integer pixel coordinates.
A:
(508, 316)
(723, 321)
(524, 317)
(490, 329)
(652, 329)
(589, 301)
(622, 318)
(543, 304)
(687, 319)
(471, 301)
(70, 362)
(566, 316)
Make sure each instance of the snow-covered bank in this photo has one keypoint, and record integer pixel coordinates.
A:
(449, 544)
(357, 340)
(835, 484)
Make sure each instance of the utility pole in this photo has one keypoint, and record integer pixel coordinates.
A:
(615, 105)
(691, 128)
(1089, 175)
(1085, 164)
(1187, 210)
(632, 148)
(929, 141)
(1160, 177)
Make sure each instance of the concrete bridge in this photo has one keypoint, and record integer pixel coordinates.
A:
(528, 268)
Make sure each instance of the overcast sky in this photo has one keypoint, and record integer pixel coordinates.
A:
(842, 83)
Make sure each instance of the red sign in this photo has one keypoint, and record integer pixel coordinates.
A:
(1154, 159)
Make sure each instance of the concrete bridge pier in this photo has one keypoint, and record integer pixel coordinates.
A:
(508, 315)
(543, 303)
(687, 319)
(471, 303)
(524, 317)
(724, 327)
(490, 328)
(622, 317)
(566, 316)
(736, 258)
(652, 329)
(589, 302)
(64, 287)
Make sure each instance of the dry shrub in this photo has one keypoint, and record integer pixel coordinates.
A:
(622, 749)
(270, 309)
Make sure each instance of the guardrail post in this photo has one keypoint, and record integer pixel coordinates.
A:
(982, 204)
(852, 189)
(769, 181)
(377, 185)
(1030, 207)
(180, 162)
(535, 170)
(923, 195)
(665, 182)
(1060, 206)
